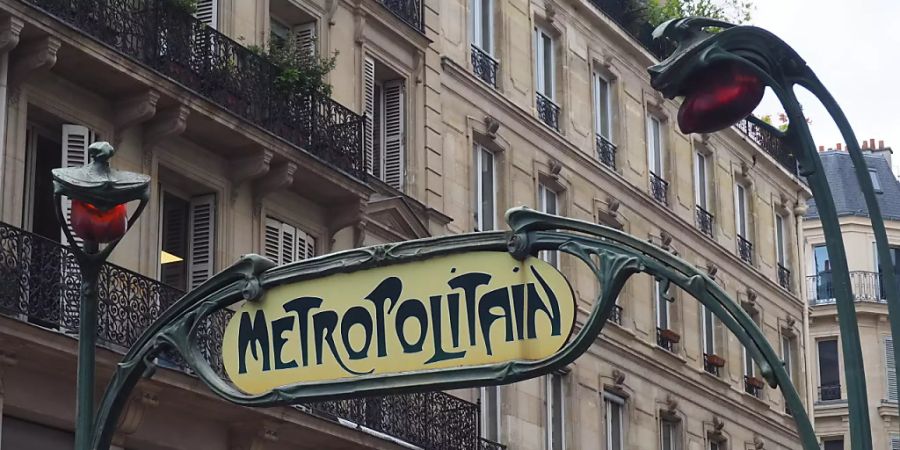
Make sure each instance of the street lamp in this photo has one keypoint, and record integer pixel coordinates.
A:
(98, 195)
(722, 76)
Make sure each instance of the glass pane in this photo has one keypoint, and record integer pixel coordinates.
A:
(547, 46)
(490, 404)
(873, 175)
(603, 108)
(701, 181)
(486, 34)
(834, 444)
(709, 330)
(662, 308)
(614, 425)
(487, 190)
(742, 211)
(828, 363)
(656, 146)
(556, 413)
(668, 435)
(779, 238)
(786, 355)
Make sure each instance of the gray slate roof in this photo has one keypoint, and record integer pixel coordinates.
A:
(848, 197)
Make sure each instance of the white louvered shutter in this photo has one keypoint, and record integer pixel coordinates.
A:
(891, 367)
(208, 12)
(75, 142)
(272, 238)
(895, 442)
(304, 36)
(288, 244)
(201, 248)
(369, 100)
(394, 133)
(310, 247)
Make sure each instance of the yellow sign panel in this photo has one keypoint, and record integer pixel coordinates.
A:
(458, 310)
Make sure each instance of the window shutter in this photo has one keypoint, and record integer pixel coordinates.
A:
(75, 142)
(394, 131)
(369, 100)
(895, 442)
(174, 226)
(304, 36)
(288, 244)
(306, 245)
(207, 12)
(202, 240)
(272, 240)
(891, 367)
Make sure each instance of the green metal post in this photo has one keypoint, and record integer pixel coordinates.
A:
(87, 340)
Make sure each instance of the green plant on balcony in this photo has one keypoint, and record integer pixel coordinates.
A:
(300, 69)
(188, 6)
(735, 11)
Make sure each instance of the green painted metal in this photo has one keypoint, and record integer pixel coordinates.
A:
(612, 256)
(782, 69)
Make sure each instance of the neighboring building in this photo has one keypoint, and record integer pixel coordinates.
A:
(830, 403)
(445, 113)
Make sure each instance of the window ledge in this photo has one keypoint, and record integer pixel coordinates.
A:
(672, 355)
(718, 379)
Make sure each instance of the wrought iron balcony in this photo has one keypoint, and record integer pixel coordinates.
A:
(866, 286)
(784, 277)
(170, 41)
(745, 249)
(628, 14)
(547, 111)
(830, 392)
(484, 66)
(704, 221)
(40, 285)
(409, 11)
(712, 363)
(616, 315)
(771, 144)
(659, 189)
(606, 152)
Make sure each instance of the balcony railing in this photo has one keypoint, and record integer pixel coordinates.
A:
(659, 189)
(606, 152)
(784, 277)
(484, 66)
(745, 249)
(629, 15)
(667, 339)
(41, 282)
(712, 363)
(704, 221)
(168, 40)
(547, 111)
(866, 286)
(616, 315)
(753, 385)
(830, 392)
(409, 11)
(771, 144)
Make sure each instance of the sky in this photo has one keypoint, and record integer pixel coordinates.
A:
(853, 48)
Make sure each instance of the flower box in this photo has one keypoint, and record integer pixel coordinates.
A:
(670, 336)
(715, 360)
(758, 383)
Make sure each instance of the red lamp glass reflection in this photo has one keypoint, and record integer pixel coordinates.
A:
(96, 225)
(718, 97)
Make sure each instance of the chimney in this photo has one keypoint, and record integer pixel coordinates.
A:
(872, 143)
(865, 145)
(880, 144)
(821, 148)
(838, 146)
(881, 150)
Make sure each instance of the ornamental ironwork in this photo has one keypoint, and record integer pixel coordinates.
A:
(548, 111)
(484, 66)
(771, 144)
(659, 189)
(867, 286)
(606, 152)
(162, 36)
(409, 11)
(704, 220)
(784, 277)
(745, 249)
(630, 16)
(616, 315)
(709, 364)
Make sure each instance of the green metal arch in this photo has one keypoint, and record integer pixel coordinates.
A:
(618, 257)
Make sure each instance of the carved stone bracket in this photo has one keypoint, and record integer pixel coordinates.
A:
(133, 111)
(168, 123)
(33, 57)
(10, 27)
(134, 413)
(278, 178)
(249, 168)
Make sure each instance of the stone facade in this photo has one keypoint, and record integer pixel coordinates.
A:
(201, 145)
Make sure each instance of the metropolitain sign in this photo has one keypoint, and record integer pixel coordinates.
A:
(460, 310)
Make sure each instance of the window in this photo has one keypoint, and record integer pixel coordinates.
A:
(829, 371)
(490, 413)
(485, 189)
(838, 444)
(615, 421)
(286, 243)
(545, 68)
(708, 328)
(655, 146)
(384, 92)
(701, 183)
(876, 183)
(781, 250)
(187, 239)
(207, 11)
(741, 217)
(895, 442)
(548, 202)
(823, 290)
(662, 307)
(300, 37)
(556, 411)
(890, 368)
(787, 355)
(602, 107)
(482, 17)
(668, 434)
(717, 444)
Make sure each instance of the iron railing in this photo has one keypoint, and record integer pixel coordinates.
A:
(606, 152)
(664, 341)
(745, 249)
(830, 392)
(484, 66)
(704, 221)
(170, 41)
(41, 282)
(784, 277)
(659, 189)
(630, 16)
(547, 111)
(866, 286)
(750, 387)
(616, 315)
(771, 144)
(708, 365)
(409, 11)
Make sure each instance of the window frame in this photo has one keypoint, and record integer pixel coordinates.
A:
(701, 180)
(662, 306)
(741, 211)
(481, 150)
(781, 239)
(551, 404)
(545, 63)
(656, 146)
(708, 330)
(876, 182)
(550, 256)
(485, 410)
(603, 113)
(837, 360)
(610, 399)
(480, 35)
(674, 433)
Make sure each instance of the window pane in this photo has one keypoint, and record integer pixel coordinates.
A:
(779, 239)
(662, 308)
(873, 175)
(709, 331)
(742, 211)
(833, 444)
(486, 32)
(547, 47)
(490, 411)
(603, 108)
(613, 425)
(787, 355)
(701, 181)
(656, 146)
(487, 190)
(828, 363)
(668, 435)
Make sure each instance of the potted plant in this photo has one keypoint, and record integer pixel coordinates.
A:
(715, 360)
(670, 335)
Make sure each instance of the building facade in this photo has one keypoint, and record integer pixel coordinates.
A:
(443, 115)
(830, 403)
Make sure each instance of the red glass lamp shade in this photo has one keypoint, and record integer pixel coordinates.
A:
(96, 225)
(718, 97)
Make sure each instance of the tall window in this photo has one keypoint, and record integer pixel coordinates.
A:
(615, 421)
(781, 250)
(602, 107)
(300, 37)
(787, 354)
(741, 211)
(668, 434)
(556, 411)
(890, 368)
(708, 328)
(662, 307)
(548, 202)
(701, 180)
(838, 444)
(485, 189)
(482, 19)
(285, 243)
(545, 64)
(655, 146)
(384, 95)
(822, 290)
(490, 413)
(829, 372)
(187, 239)
(895, 442)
